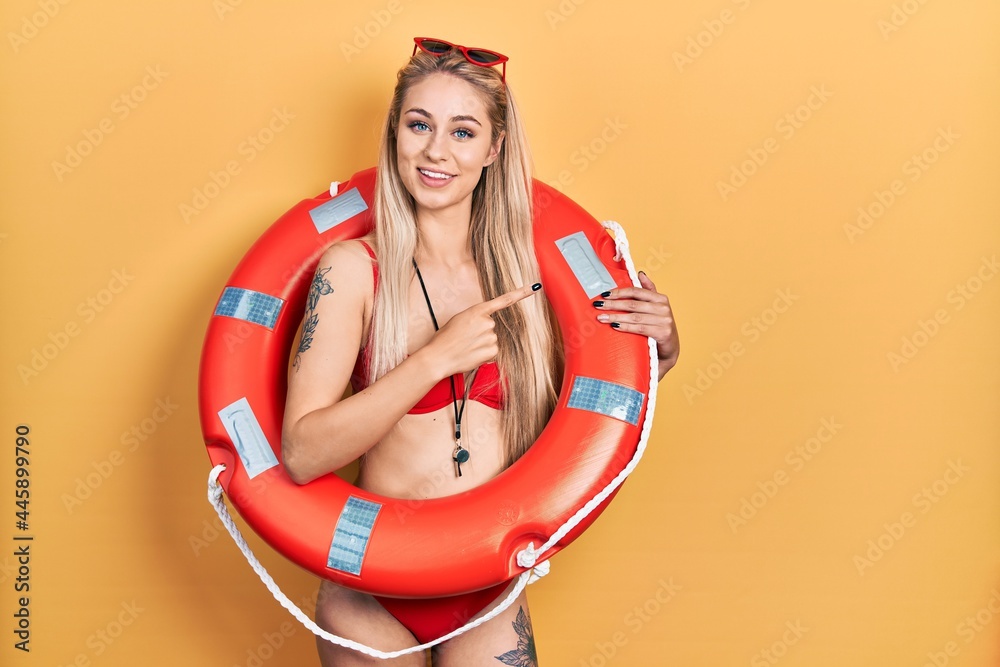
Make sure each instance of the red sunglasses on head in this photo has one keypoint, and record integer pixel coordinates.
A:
(481, 57)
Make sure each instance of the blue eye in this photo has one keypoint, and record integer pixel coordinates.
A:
(463, 133)
(419, 125)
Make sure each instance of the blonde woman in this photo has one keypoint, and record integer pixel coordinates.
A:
(438, 322)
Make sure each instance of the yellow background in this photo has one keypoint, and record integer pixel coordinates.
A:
(671, 98)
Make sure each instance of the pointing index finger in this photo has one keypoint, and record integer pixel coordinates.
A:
(511, 297)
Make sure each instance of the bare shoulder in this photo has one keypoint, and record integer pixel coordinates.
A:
(349, 264)
(334, 323)
(350, 251)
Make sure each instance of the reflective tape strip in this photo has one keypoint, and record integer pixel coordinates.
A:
(246, 434)
(606, 398)
(350, 538)
(340, 208)
(586, 266)
(245, 304)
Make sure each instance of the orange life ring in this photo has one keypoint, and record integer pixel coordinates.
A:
(404, 548)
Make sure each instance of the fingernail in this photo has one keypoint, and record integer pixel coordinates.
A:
(615, 325)
(643, 272)
(598, 304)
(536, 287)
(606, 294)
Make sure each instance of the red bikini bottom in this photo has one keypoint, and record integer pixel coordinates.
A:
(430, 618)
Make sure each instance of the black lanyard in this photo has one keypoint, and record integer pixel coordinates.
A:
(461, 454)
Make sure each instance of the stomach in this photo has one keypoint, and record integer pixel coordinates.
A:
(415, 459)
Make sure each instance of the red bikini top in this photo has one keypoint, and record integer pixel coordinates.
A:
(485, 389)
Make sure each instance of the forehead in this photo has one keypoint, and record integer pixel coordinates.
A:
(445, 96)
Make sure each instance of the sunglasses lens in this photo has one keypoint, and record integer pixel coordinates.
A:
(480, 57)
(484, 57)
(434, 46)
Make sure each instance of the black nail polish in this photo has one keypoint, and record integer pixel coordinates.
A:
(598, 304)
(615, 325)
(606, 294)
(536, 287)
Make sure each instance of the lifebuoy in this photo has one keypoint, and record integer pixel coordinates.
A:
(397, 548)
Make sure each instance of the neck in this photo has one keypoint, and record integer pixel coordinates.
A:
(443, 238)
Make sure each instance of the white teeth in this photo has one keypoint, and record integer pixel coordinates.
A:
(433, 174)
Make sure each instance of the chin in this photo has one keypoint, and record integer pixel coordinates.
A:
(435, 200)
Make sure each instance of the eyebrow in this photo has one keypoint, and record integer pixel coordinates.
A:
(454, 119)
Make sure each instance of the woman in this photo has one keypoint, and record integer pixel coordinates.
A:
(450, 319)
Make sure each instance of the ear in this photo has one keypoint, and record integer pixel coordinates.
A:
(495, 150)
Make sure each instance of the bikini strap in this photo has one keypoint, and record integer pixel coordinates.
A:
(374, 263)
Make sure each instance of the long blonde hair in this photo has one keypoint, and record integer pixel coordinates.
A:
(530, 352)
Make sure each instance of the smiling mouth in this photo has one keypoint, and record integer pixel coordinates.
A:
(435, 174)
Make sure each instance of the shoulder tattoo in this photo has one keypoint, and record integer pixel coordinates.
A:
(320, 287)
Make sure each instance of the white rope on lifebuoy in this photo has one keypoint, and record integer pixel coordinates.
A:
(621, 250)
(527, 558)
(215, 497)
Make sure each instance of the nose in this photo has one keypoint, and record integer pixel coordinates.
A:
(435, 149)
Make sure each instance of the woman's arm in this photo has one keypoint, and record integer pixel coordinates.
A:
(322, 431)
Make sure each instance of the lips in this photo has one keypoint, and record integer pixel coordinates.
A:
(434, 179)
(436, 175)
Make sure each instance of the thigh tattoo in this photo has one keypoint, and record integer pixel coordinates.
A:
(524, 655)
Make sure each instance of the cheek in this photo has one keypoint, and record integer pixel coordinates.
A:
(404, 148)
(473, 154)
(406, 157)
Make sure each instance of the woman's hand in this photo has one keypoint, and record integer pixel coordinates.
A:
(643, 311)
(468, 339)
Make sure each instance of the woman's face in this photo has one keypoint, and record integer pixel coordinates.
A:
(443, 143)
